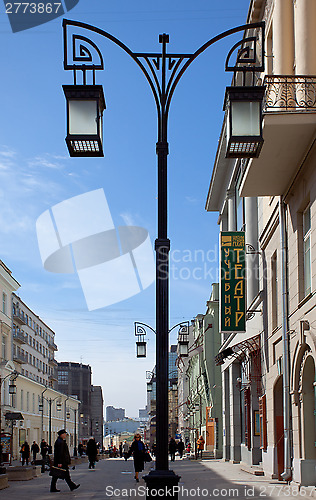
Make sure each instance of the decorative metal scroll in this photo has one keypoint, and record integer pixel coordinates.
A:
(250, 54)
(162, 70)
(141, 329)
(290, 93)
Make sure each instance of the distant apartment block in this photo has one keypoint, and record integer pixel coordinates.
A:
(113, 414)
(97, 413)
(75, 379)
(33, 345)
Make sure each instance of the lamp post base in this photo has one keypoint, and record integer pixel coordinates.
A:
(162, 484)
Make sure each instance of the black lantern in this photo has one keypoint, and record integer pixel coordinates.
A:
(85, 106)
(149, 387)
(141, 349)
(244, 121)
(12, 388)
(183, 348)
(174, 385)
(68, 415)
(58, 406)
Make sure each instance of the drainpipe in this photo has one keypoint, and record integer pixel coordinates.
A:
(286, 474)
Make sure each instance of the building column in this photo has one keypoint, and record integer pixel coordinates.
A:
(251, 218)
(283, 37)
(305, 37)
(235, 424)
(231, 210)
(226, 415)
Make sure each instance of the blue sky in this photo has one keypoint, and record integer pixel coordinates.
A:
(37, 173)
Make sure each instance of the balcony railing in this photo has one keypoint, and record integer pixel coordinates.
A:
(52, 345)
(290, 93)
(52, 361)
(20, 358)
(19, 336)
(19, 317)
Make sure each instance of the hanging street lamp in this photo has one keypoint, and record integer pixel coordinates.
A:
(85, 106)
(243, 106)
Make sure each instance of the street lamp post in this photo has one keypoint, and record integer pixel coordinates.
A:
(163, 72)
(75, 430)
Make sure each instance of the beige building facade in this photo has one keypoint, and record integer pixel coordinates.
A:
(268, 372)
(28, 364)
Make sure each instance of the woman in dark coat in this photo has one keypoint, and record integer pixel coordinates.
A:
(137, 449)
(172, 449)
(92, 452)
(25, 452)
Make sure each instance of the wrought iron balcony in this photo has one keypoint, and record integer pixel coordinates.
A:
(52, 345)
(53, 362)
(19, 317)
(290, 93)
(19, 336)
(53, 376)
(20, 358)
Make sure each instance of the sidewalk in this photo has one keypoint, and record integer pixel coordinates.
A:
(114, 478)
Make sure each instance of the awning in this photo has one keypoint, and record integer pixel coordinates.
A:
(238, 350)
(14, 416)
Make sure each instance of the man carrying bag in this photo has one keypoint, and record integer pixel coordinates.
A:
(60, 468)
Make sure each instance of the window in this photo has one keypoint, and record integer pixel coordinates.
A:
(307, 250)
(22, 393)
(27, 401)
(4, 303)
(4, 348)
(274, 291)
(63, 377)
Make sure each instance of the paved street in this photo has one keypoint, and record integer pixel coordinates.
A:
(114, 478)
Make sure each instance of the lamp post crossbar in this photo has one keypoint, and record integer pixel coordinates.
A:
(163, 72)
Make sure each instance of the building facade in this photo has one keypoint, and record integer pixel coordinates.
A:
(33, 345)
(268, 371)
(204, 406)
(74, 379)
(114, 413)
(97, 413)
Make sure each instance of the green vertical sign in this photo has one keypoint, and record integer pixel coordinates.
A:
(233, 281)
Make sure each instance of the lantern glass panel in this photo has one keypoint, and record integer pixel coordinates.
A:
(245, 117)
(141, 349)
(12, 389)
(149, 387)
(83, 117)
(183, 348)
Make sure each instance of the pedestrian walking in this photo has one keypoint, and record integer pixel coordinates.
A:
(44, 449)
(125, 450)
(80, 449)
(180, 448)
(137, 449)
(25, 452)
(92, 452)
(172, 449)
(200, 446)
(34, 450)
(62, 461)
(121, 450)
(154, 449)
